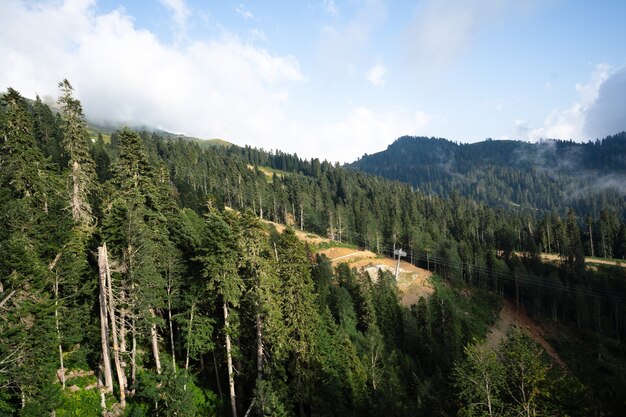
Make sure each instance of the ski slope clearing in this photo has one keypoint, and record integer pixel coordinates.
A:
(413, 282)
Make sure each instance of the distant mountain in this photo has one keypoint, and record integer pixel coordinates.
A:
(549, 175)
(108, 129)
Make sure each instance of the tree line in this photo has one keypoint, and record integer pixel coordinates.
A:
(146, 261)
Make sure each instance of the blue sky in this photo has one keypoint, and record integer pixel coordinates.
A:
(328, 78)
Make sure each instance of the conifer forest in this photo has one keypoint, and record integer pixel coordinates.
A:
(145, 274)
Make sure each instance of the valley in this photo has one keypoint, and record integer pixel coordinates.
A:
(185, 279)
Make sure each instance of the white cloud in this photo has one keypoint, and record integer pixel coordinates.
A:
(180, 11)
(363, 130)
(568, 123)
(219, 88)
(441, 30)
(376, 75)
(607, 115)
(245, 13)
(343, 41)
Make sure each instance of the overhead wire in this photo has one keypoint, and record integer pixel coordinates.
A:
(523, 278)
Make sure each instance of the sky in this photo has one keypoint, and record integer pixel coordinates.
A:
(330, 79)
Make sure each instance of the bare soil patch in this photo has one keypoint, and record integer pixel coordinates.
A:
(304, 236)
(509, 317)
(588, 260)
(413, 282)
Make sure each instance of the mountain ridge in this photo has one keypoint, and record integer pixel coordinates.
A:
(510, 173)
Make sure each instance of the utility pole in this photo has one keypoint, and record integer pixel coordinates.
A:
(400, 254)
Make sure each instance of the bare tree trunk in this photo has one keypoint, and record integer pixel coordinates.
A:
(229, 359)
(339, 221)
(154, 339)
(275, 211)
(123, 320)
(189, 336)
(103, 261)
(104, 328)
(133, 352)
(260, 207)
(170, 324)
(56, 322)
(301, 216)
(56, 313)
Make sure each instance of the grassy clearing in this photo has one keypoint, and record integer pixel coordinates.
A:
(269, 172)
(93, 135)
(331, 244)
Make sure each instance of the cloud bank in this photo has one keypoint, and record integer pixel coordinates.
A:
(599, 111)
(220, 87)
(607, 115)
(441, 30)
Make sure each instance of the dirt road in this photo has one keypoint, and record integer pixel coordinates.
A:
(413, 282)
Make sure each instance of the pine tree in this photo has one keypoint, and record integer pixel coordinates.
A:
(27, 240)
(221, 270)
(301, 318)
(23, 167)
(82, 167)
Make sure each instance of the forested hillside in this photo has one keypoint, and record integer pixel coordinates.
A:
(548, 175)
(137, 277)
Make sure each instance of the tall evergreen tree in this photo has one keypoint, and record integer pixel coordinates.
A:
(301, 317)
(221, 270)
(75, 137)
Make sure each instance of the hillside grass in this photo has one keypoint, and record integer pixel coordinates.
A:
(269, 172)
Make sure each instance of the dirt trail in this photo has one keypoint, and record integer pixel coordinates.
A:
(304, 236)
(509, 317)
(413, 282)
(588, 260)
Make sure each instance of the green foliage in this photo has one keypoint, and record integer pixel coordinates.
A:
(515, 379)
(510, 174)
(182, 225)
(82, 403)
(480, 381)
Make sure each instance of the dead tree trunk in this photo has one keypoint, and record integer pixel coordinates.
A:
(104, 328)
(170, 325)
(154, 339)
(56, 316)
(189, 336)
(133, 351)
(229, 360)
(103, 262)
